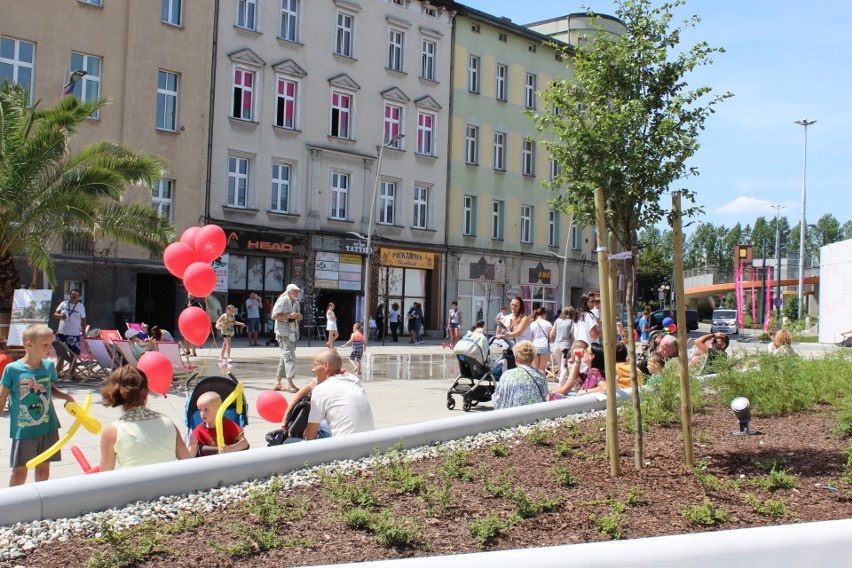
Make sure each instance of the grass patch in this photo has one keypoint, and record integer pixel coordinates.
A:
(500, 450)
(250, 541)
(456, 466)
(348, 492)
(387, 529)
(610, 525)
(705, 514)
(540, 437)
(777, 479)
(769, 507)
(272, 511)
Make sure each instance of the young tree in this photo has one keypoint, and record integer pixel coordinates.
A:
(47, 192)
(626, 123)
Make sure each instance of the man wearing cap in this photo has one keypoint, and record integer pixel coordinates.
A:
(287, 314)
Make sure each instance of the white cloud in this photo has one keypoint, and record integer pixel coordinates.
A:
(745, 206)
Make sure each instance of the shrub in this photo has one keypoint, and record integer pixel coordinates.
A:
(705, 514)
(610, 525)
(500, 450)
(778, 479)
(564, 477)
(487, 528)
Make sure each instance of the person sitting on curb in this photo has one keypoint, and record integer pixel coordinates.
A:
(524, 384)
(714, 346)
(591, 381)
(339, 404)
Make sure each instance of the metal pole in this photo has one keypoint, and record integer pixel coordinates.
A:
(804, 122)
(763, 289)
(778, 209)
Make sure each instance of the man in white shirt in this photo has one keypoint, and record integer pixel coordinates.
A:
(287, 314)
(337, 398)
(72, 321)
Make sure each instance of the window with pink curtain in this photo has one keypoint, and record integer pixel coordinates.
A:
(285, 107)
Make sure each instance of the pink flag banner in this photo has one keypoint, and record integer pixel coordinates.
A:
(768, 303)
(753, 302)
(738, 285)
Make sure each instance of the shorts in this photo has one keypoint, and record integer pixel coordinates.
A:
(25, 449)
(542, 350)
(253, 325)
(356, 355)
(454, 326)
(71, 341)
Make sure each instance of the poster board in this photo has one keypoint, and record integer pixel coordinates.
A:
(28, 307)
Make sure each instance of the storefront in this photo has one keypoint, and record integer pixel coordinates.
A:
(481, 288)
(539, 286)
(407, 276)
(337, 277)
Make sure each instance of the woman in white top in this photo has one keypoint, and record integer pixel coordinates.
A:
(562, 336)
(517, 323)
(330, 325)
(393, 320)
(454, 322)
(140, 436)
(588, 326)
(540, 329)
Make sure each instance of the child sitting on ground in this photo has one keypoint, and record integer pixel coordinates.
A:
(568, 360)
(203, 441)
(357, 342)
(30, 385)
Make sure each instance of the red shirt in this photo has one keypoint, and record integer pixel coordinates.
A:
(207, 436)
(4, 360)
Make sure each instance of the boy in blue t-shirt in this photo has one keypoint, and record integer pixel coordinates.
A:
(30, 386)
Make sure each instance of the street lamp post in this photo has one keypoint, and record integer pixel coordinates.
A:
(663, 290)
(778, 209)
(366, 307)
(805, 123)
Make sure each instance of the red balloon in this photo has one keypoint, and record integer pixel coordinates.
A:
(199, 279)
(188, 237)
(194, 325)
(177, 257)
(158, 369)
(210, 242)
(271, 406)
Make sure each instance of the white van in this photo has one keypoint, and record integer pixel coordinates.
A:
(724, 320)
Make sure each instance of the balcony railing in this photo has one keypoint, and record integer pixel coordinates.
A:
(79, 245)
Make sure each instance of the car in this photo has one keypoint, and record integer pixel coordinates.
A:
(658, 317)
(724, 320)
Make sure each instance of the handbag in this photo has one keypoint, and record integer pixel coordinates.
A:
(294, 426)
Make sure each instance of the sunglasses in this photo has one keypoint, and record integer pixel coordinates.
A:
(589, 350)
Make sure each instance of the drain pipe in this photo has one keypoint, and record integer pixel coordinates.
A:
(210, 113)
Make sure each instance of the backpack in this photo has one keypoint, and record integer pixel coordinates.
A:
(294, 427)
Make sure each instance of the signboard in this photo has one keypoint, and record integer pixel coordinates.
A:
(266, 242)
(408, 258)
(539, 273)
(337, 271)
(28, 307)
(220, 265)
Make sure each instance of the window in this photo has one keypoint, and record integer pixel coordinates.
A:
(427, 60)
(393, 126)
(281, 188)
(289, 20)
(396, 41)
(471, 144)
(501, 72)
(526, 223)
(247, 14)
(387, 200)
(17, 60)
(343, 39)
(171, 12)
(167, 101)
(576, 235)
(243, 91)
(92, 2)
(555, 169)
(552, 228)
(162, 197)
(528, 158)
(238, 181)
(497, 220)
(500, 151)
(339, 195)
(89, 88)
(425, 133)
(341, 115)
(285, 103)
(529, 91)
(469, 215)
(473, 74)
(421, 207)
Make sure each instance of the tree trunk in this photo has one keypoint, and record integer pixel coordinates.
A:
(639, 444)
(10, 280)
(608, 319)
(685, 402)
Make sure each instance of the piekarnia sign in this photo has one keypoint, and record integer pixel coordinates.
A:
(408, 258)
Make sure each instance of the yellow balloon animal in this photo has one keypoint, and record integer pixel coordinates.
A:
(82, 416)
(220, 414)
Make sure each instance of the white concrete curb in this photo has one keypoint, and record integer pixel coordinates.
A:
(808, 544)
(70, 497)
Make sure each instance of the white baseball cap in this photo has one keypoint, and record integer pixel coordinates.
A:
(291, 287)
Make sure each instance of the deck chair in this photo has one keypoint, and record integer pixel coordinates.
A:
(87, 365)
(66, 361)
(111, 335)
(182, 368)
(102, 355)
(126, 352)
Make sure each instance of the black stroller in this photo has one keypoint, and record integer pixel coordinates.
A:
(476, 382)
(224, 386)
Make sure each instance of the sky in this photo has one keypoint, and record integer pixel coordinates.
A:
(784, 61)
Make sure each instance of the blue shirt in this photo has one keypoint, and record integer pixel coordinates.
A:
(30, 399)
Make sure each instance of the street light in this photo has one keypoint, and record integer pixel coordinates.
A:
(389, 144)
(663, 290)
(778, 209)
(804, 122)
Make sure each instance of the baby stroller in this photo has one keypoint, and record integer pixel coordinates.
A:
(475, 382)
(224, 386)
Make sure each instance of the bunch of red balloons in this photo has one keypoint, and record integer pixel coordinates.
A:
(190, 259)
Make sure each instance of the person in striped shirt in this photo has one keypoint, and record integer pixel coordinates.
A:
(357, 343)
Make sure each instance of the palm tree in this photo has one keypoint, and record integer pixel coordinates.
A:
(48, 193)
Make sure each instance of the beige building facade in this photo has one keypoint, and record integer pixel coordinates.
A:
(151, 58)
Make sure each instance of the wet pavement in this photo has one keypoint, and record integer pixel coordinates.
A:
(405, 383)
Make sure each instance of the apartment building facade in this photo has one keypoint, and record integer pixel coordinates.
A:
(322, 107)
(503, 238)
(151, 58)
